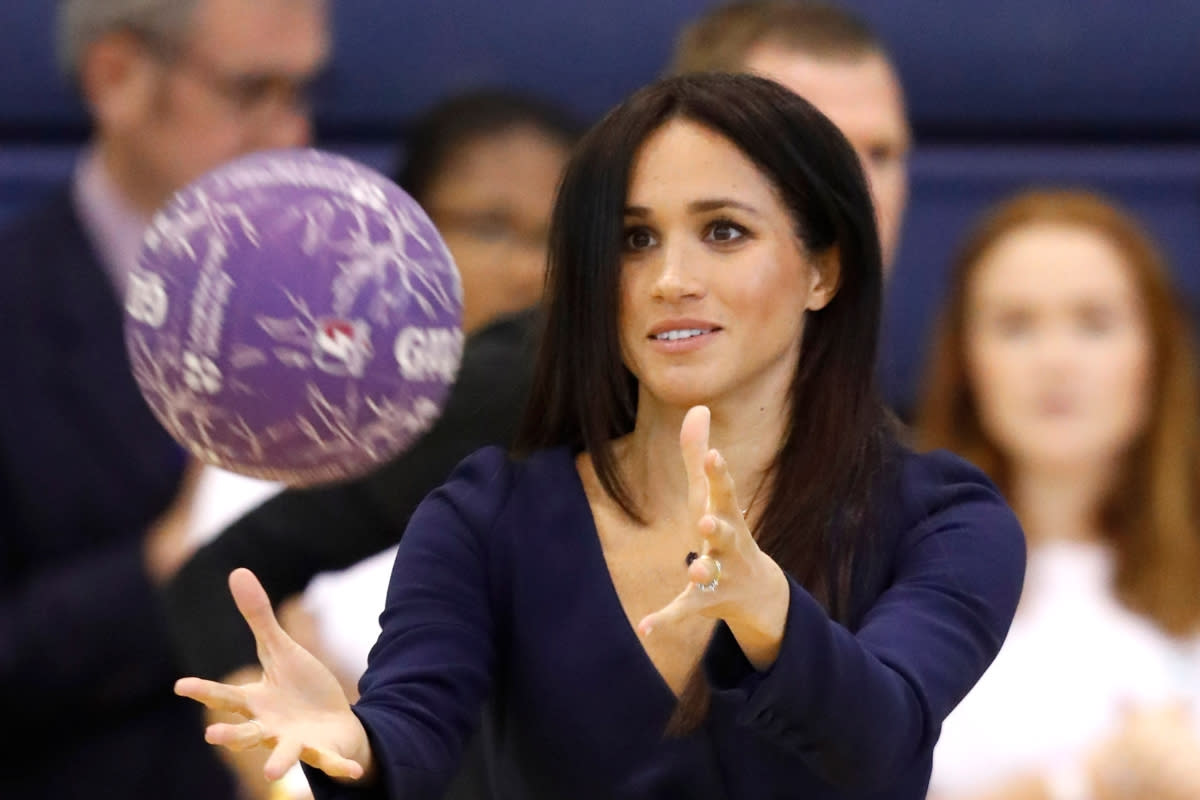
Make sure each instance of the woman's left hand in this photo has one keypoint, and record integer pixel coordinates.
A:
(731, 579)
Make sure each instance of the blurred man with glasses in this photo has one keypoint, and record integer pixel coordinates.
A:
(93, 493)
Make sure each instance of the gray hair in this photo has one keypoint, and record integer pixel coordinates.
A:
(82, 22)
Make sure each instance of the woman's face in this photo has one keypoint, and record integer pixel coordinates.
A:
(492, 204)
(1057, 347)
(714, 281)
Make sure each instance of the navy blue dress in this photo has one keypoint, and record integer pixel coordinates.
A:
(501, 595)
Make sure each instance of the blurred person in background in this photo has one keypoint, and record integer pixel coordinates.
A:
(485, 165)
(1065, 367)
(830, 57)
(94, 500)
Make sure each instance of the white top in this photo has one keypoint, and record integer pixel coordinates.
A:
(345, 606)
(1072, 661)
(221, 499)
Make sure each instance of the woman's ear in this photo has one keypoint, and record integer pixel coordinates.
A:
(825, 277)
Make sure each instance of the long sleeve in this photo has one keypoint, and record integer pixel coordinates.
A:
(84, 470)
(300, 533)
(432, 667)
(80, 638)
(860, 708)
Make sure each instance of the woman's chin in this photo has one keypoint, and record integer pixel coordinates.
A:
(1067, 458)
(679, 397)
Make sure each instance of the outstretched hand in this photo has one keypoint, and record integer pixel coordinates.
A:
(298, 708)
(731, 578)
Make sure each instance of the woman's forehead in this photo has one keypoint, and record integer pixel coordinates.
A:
(1050, 262)
(683, 161)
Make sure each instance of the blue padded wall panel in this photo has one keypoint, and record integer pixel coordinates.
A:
(28, 173)
(1020, 67)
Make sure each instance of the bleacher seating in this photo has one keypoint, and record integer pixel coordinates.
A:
(1101, 94)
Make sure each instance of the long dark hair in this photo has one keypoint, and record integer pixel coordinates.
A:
(816, 520)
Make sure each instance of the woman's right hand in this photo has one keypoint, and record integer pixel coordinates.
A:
(298, 708)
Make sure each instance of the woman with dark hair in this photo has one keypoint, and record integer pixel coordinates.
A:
(703, 419)
(485, 165)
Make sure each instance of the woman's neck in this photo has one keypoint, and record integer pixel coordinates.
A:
(651, 459)
(1058, 504)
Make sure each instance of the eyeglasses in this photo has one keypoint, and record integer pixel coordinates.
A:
(493, 227)
(247, 94)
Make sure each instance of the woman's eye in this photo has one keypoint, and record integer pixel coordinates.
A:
(1096, 322)
(725, 231)
(638, 239)
(1014, 324)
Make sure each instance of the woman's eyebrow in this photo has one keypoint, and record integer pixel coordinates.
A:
(698, 206)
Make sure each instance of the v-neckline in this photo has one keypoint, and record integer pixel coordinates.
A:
(612, 600)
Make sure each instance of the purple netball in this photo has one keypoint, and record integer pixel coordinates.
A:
(294, 316)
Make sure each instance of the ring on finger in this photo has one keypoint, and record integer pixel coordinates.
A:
(262, 729)
(711, 586)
